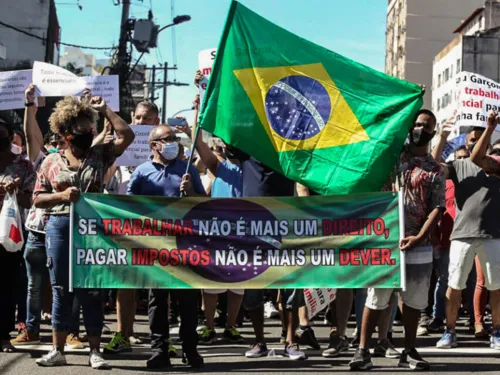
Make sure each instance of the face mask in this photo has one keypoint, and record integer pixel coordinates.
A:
(5, 144)
(53, 150)
(15, 149)
(233, 153)
(82, 141)
(420, 138)
(170, 151)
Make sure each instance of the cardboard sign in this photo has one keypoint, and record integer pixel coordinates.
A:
(318, 299)
(205, 61)
(52, 80)
(106, 87)
(138, 152)
(12, 88)
(477, 96)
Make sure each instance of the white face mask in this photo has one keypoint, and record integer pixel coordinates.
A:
(170, 151)
(15, 149)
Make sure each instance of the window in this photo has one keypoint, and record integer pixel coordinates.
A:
(439, 80)
(446, 75)
(438, 104)
(458, 66)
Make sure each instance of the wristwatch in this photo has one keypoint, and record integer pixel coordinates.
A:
(27, 104)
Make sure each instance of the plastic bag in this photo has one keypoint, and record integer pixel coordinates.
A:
(11, 234)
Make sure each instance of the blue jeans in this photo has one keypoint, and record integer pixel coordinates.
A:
(57, 245)
(36, 267)
(439, 309)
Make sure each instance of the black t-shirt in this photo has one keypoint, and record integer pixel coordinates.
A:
(262, 181)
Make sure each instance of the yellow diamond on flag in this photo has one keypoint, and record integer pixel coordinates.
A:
(301, 107)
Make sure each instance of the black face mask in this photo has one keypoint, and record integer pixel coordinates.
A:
(5, 144)
(82, 141)
(420, 138)
(233, 153)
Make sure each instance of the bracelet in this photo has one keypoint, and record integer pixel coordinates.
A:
(27, 104)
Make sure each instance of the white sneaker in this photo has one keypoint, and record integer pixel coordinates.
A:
(270, 311)
(97, 362)
(53, 358)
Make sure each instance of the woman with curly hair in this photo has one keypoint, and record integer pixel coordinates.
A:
(62, 177)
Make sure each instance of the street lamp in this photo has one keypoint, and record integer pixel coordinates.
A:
(183, 110)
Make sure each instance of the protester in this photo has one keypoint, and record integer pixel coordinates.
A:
(476, 230)
(165, 175)
(146, 113)
(62, 177)
(16, 175)
(422, 180)
(227, 184)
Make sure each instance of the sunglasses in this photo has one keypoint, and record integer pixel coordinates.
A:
(169, 139)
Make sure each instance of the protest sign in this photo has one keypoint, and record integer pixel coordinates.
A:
(453, 145)
(138, 152)
(349, 241)
(205, 61)
(52, 80)
(106, 87)
(12, 87)
(317, 300)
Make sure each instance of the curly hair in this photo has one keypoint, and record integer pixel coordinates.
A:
(68, 112)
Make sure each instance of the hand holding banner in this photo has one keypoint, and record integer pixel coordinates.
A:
(52, 80)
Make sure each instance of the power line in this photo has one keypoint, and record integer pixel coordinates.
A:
(45, 39)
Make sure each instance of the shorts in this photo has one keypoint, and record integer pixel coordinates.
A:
(239, 292)
(462, 254)
(416, 295)
(292, 298)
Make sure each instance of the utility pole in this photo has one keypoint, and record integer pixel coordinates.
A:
(164, 101)
(153, 79)
(122, 56)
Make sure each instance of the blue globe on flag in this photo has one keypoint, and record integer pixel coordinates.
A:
(297, 107)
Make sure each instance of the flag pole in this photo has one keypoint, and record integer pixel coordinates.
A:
(402, 254)
(193, 147)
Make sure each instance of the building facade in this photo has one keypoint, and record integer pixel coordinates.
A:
(416, 31)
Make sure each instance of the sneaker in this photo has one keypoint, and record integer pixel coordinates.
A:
(207, 335)
(97, 362)
(422, 331)
(233, 335)
(448, 341)
(283, 337)
(158, 361)
(436, 326)
(135, 340)
(338, 344)
(307, 337)
(26, 338)
(118, 344)
(385, 349)
(495, 339)
(74, 342)
(270, 311)
(258, 350)
(53, 358)
(413, 361)
(193, 359)
(362, 360)
(293, 352)
(172, 351)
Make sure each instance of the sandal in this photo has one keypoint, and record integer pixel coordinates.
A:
(6, 347)
(480, 332)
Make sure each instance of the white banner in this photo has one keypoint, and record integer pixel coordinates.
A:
(138, 152)
(476, 97)
(12, 88)
(107, 87)
(317, 300)
(205, 61)
(52, 80)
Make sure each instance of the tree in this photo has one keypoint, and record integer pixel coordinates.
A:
(73, 69)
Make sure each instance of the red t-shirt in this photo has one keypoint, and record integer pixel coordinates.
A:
(446, 225)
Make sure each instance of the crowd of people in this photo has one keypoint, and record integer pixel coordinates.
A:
(451, 238)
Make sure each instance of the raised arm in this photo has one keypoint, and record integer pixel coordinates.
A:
(302, 191)
(34, 137)
(437, 151)
(478, 156)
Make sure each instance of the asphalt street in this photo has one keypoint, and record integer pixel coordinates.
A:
(223, 358)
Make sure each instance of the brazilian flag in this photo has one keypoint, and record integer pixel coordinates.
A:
(318, 118)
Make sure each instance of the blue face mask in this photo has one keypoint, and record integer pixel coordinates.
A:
(53, 151)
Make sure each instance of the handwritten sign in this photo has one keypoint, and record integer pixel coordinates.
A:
(12, 88)
(107, 87)
(139, 151)
(52, 80)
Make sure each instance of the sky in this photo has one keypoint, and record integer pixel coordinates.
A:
(353, 28)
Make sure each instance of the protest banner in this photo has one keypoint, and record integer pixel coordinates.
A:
(350, 241)
(138, 152)
(476, 97)
(12, 87)
(205, 61)
(52, 80)
(317, 300)
(106, 87)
